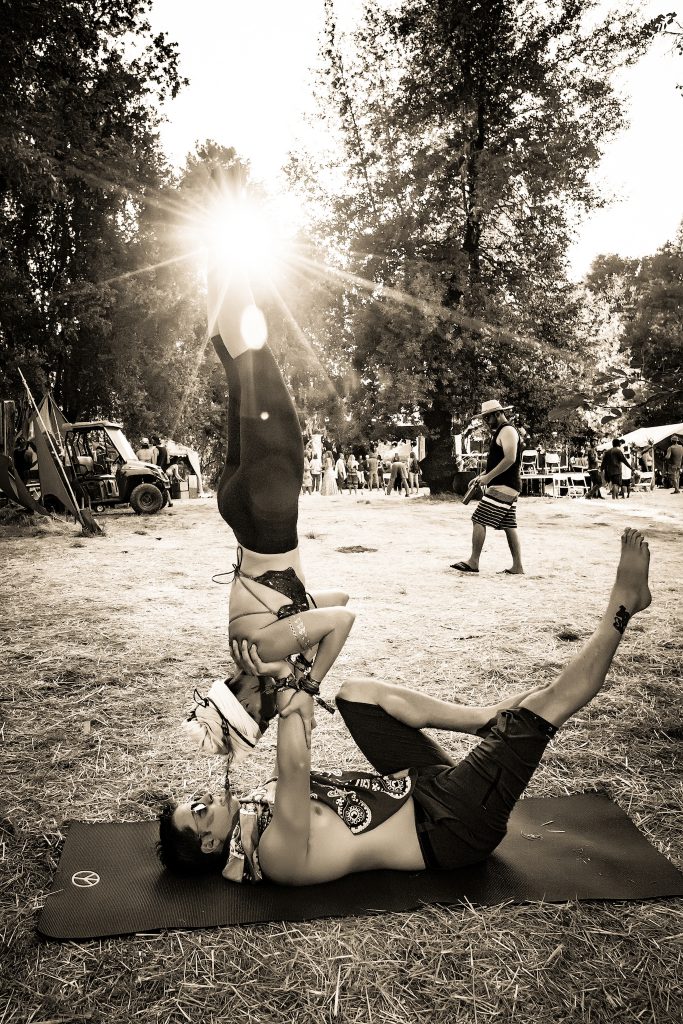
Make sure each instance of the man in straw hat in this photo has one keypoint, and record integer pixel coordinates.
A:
(502, 481)
(418, 808)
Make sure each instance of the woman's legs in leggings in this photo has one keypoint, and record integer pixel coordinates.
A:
(260, 498)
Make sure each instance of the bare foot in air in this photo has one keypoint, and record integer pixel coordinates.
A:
(630, 588)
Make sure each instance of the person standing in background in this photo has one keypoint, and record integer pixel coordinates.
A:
(503, 484)
(340, 471)
(593, 466)
(146, 452)
(674, 457)
(316, 471)
(162, 452)
(414, 472)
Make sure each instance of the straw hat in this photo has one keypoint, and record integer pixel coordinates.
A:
(493, 406)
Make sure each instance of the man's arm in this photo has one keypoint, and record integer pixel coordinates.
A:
(284, 846)
(508, 441)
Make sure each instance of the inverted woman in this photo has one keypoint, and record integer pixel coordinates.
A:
(258, 497)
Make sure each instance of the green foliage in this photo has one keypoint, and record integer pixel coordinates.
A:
(468, 133)
(642, 381)
(80, 170)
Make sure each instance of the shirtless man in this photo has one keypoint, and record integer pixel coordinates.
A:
(419, 809)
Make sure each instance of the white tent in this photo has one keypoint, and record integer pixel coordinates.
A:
(647, 437)
(191, 458)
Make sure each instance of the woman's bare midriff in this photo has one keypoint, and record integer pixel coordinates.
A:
(255, 563)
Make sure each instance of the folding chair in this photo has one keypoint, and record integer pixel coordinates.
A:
(576, 485)
(529, 461)
(644, 482)
(552, 462)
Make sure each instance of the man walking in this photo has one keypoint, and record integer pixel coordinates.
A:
(594, 473)
(674, 456)
(503, 484)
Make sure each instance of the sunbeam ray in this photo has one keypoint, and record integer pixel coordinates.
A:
(379, 291)
(301, 337)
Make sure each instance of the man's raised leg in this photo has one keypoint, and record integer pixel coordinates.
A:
(420, 711)
(585, 674)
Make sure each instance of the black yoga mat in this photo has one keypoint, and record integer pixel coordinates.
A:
(584, 847)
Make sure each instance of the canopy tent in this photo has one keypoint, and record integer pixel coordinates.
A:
(647, 437)
(189, 457)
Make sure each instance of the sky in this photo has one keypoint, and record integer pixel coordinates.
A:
(251, 87)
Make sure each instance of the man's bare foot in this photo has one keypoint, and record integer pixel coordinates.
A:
(630, 589)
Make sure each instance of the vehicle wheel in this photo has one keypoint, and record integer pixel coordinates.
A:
(99, 508)
(146, 499)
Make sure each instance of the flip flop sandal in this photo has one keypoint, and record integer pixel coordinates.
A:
(463, 567)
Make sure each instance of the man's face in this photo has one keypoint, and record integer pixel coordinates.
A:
(491, 419)
(210, 816)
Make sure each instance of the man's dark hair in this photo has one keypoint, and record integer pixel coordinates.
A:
(180, 850)
(616, 442)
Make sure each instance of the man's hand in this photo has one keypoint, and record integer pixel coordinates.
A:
(246, 657)
(300, 704)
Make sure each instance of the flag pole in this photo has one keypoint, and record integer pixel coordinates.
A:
(61, 470)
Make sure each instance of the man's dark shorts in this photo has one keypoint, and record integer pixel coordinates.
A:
(461, 811)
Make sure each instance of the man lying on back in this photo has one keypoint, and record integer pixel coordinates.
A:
(417, 809)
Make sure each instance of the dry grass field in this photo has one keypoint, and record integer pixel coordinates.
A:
(102, 642)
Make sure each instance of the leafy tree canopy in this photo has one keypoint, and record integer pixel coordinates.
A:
(468, 131)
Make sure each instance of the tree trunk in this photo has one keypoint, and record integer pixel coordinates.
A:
(438, 467)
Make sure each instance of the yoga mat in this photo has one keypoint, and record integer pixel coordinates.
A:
(109, 881)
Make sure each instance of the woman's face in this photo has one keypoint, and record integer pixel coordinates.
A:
(248, 692)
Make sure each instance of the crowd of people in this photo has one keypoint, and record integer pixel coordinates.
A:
(334, 472)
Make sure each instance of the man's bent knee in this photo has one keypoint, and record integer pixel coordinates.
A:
(361, 690)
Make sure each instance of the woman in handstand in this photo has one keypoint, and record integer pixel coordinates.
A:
(258, 497)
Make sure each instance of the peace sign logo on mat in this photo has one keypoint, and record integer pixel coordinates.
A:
(85, 879)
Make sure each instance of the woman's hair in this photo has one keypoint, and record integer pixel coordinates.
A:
(180, 850)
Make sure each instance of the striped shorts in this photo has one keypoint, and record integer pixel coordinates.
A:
(497, 509)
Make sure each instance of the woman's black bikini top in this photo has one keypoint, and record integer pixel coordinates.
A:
(287, 583)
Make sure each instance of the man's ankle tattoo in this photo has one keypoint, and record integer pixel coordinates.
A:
(621, 619)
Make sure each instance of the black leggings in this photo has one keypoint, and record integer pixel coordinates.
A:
(258, 492)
